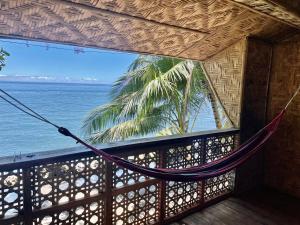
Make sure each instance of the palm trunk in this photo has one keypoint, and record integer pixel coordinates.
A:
(186, 102)
(214, 99)
(215, 111)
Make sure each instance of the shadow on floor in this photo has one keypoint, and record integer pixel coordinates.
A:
(265, 207)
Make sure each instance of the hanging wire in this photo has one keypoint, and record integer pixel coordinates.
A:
(75, 49)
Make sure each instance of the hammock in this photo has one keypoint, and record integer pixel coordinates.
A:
(196, 173)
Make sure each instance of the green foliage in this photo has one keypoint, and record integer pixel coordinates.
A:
(157, 95)
(3, 55)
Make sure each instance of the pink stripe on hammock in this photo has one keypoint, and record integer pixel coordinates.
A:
(231, 161)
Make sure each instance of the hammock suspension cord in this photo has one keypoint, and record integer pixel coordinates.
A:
(196, 173)
(292, 98)
(25, 108)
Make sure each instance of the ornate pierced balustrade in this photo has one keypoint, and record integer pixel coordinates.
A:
(74, 186)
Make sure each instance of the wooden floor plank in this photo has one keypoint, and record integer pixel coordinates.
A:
(265, 207)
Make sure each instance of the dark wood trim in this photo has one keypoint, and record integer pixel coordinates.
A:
(162, 189)
(256, 78)
(69, 205)
(128, 188)
(113, 148)
(28, 216)
(108, 194)
(203, 155)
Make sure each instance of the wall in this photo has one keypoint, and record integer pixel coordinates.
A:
(240, 77)
(253, 109)
(225, 70)
(282, 155)
(263, 77)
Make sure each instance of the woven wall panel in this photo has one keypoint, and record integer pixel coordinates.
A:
(273, 9)
(226, 74)
(50, 20)
(253, 113)
(282, 164)
(228, 34)
(172, 28)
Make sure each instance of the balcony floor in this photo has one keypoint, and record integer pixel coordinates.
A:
(264, 208)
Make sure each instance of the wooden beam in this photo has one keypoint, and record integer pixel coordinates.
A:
(128, 16)
(272, 9)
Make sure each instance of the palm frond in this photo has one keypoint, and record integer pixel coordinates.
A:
(168, 131)
(130, 82)
(101, 117)
(130, 128)
(156, 95)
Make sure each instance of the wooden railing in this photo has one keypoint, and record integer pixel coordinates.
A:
(74, 186)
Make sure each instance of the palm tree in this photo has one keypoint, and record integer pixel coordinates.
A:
(3, 55)
(157, 95)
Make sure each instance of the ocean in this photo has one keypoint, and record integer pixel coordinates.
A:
(64, 104)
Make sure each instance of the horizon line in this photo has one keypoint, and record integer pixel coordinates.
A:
(55, 82)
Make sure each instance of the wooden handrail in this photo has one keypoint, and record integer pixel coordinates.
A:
(114, 148)
(64, 186)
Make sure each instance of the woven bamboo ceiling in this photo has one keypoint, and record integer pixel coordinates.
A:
(194, 29)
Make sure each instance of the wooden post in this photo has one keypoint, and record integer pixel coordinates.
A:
(203, 157)
(162, 189)
(27, 196)
(253, 110)
(108, 193)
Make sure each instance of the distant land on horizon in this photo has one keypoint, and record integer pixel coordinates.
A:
(49, 79)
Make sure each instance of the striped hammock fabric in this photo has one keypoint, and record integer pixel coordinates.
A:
(196, 173)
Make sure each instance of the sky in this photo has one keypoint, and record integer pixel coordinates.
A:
(27, 61)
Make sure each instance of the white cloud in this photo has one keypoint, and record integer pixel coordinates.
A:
(89, 79)
(42, 78)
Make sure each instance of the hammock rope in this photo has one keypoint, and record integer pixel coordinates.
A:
(195, 173)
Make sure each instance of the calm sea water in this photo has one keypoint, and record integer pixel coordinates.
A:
(64, 104)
